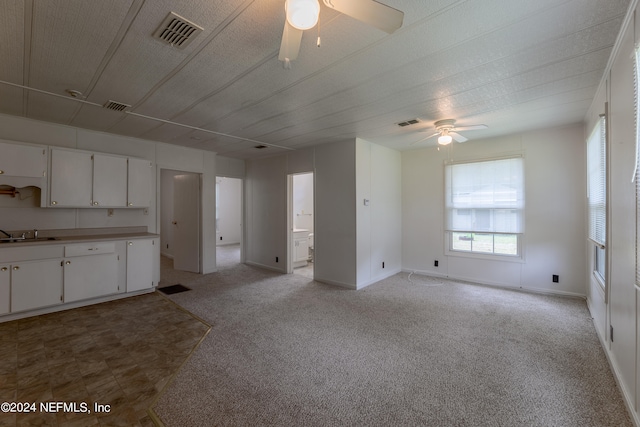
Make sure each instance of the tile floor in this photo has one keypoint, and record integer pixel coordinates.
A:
(120, 353)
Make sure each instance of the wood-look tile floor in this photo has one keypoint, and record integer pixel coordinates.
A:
(120, 353)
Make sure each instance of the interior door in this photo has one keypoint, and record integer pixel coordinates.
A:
(186, 222)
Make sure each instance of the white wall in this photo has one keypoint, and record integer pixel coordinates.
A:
(554, 212)
(266, 221)
(351, 240)
(379, 222)
(622, 310)
(162, 155)
(335, 209)
(229, 211)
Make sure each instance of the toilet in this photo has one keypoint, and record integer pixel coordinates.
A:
(310, 239)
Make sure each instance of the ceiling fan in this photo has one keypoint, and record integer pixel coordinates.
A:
(447, 131)
(303, 14)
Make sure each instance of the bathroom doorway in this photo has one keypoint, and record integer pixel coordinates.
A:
(301, 224)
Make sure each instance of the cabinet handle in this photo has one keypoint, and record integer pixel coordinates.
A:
(54, 202)
(68, 262)
(130, 243)
(95, 203)
(1, 172)
(130, 204)
(17, 267)
(3, 269)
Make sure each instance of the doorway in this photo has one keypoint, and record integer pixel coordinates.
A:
(301, 224)
(180, 223)
(228, 222)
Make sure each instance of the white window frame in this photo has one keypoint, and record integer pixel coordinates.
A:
(636, 172)
(449, 233)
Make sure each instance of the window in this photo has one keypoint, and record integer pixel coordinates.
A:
(484, 206)
(596, 195)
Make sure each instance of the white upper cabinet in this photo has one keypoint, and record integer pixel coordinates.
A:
(22, 160)
(82, 179)
(109, 181)
(71, 178)
(139, 185)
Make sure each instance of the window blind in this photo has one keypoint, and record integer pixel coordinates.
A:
(486, 196)
(596, 183)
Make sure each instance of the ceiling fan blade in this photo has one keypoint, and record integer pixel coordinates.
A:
(370, 12)
(425, 138)
(457, 137)
(472, 127)
(290, 46)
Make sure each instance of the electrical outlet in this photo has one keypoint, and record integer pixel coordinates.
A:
(556, 278)
(435, 263)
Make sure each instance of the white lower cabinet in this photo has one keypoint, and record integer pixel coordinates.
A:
(5, 288)
(39, 276)
(90, 276)
(141, 264)
(36, 284)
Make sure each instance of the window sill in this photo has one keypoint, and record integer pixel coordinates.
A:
(599, 280)
(490, 257)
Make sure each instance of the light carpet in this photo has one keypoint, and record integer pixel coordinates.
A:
(285, 350)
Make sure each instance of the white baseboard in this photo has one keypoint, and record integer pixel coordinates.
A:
(496, 284)
(379, 278)
(335, 283)
(266, 267)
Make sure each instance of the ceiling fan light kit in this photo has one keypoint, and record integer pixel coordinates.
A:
(447, 132)
(445, 139)
(302, 14)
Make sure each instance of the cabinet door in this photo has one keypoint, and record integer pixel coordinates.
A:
(139, 183)
(71, 179)
(109, 181)
(301, 250)
(90, 276)
(140, 264)
(22, 160)
(5, 286)
(36, 284)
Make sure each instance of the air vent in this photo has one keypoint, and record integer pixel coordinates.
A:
(408, 122)
(116, 106)
(260, 147)
(177, 31)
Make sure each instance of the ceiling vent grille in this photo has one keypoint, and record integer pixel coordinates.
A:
(408, 122)
(116, 106)
(177, 31)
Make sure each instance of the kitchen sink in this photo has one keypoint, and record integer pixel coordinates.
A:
(19, 240)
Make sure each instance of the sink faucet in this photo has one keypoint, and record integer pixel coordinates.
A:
(35, 234)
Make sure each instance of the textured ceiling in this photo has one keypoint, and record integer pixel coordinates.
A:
(513, 65)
